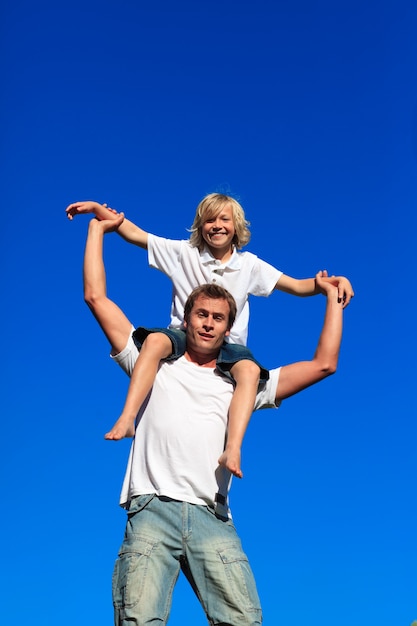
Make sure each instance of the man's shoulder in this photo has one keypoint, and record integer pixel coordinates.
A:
(267, 391)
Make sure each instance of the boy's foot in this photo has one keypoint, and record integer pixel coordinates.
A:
(120, 430)
(231, 461)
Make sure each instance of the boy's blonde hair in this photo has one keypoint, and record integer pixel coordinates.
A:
(210, 207)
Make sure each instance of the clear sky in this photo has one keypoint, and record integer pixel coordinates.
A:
(307, 113)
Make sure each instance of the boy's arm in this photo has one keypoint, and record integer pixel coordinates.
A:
(308, 286)
(297, 376)
(128, 230)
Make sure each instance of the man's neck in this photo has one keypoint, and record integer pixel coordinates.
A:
(203, 360)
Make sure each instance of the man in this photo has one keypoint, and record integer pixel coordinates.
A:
(175, 492)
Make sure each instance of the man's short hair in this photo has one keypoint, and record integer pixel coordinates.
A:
(215, 292)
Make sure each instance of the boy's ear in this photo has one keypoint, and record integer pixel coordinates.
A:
(185, 323)
(227, 333)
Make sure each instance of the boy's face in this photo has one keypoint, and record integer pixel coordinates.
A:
(218, 232)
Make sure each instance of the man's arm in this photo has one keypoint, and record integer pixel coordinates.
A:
(128, 230)
(297, 376)
(308, 287)
(111, 318)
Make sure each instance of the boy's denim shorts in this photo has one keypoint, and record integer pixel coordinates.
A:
(230, 353)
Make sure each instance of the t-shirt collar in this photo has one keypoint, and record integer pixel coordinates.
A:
(232, 264)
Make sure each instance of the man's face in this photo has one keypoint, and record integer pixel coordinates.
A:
(207, 325)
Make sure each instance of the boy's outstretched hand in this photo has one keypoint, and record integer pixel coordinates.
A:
(109, 225)
(344, 288)
(327, 287)
(101, 211)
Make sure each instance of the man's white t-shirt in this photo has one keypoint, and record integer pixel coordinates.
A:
(242, 275)
(181, 431)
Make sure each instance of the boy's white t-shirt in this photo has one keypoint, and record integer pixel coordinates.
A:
(242, 275)
(180, 433)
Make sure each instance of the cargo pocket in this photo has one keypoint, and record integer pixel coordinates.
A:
(240, 577)
(130, 572)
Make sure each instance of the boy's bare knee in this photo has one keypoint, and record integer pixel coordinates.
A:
(246, 371)
(158, 344)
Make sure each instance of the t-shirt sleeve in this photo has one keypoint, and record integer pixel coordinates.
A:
(126, 359)
(164, 254)
(265, 398)
(264, 277)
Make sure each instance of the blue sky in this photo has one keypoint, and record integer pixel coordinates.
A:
(305, 111)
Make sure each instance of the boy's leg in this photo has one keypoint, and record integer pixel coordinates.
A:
(156, 346)
(246, 374)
